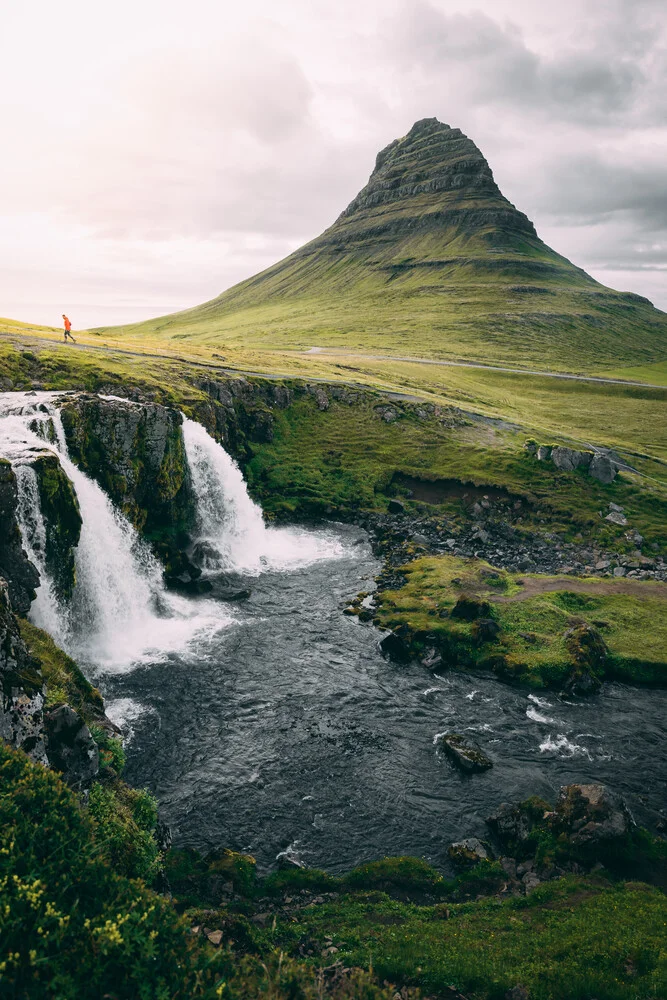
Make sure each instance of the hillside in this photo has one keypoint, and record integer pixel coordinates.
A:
(430, 260)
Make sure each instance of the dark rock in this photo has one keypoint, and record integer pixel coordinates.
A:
(589, 653)
(469, 852)
(591, 814)
(395, 647)
(485, 630)
(396, 507)
(517, 993)
(512, 824)
(234, 595)
(21, 576)
(602, 468)
(465, 754)
(431, 658)
(569, 459)
(469, 607)
(70, 747)
(21, 687)
(62, 520)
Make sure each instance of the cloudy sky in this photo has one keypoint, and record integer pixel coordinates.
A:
(155, 151)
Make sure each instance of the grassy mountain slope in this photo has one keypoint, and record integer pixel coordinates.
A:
(430, 259)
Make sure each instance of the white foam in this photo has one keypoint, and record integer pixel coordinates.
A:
(563, 747)
(232, 533)
(536, 716)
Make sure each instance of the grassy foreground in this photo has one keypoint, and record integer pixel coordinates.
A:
(538, 619)
(74, 927)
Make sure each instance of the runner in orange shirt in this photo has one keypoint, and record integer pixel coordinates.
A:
(68, 327)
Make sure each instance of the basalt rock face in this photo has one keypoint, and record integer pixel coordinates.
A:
(62, 520)
(136, 453)
(21, 687)
(15, 567)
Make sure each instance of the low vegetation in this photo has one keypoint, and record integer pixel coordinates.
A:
(525, 627)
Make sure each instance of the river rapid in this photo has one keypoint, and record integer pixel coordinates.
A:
(274, 724)
(288, 731)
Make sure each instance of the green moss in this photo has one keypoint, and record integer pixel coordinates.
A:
(543, 638)
(60, 509)
(65, 681)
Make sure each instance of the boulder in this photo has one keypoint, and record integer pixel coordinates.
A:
(396, 507)
(569, 459)
(463, 753)
(602, 468)
(395, 647)
(485, 630)
(614, 517)
(513, 823)
(591, 814)
(431, 658)
(469, 852)
(71, 748)
(543, 453)
(589, 653)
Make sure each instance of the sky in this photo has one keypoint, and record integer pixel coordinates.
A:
(156, 152)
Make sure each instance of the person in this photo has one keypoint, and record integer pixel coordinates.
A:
(68, 327)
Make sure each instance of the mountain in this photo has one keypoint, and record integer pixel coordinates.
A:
(431, 259)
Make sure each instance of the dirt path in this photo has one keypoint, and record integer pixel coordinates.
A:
(336, 352)
(632, 588)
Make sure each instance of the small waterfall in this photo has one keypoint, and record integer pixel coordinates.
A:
(46, 610)
(232, 535)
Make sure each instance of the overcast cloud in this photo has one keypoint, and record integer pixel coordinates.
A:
(155, 153)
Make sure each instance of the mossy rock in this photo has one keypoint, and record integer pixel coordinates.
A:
(62, 519)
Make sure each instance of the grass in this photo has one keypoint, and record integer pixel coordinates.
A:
(532, 642)
(567, 939)
(64, 680)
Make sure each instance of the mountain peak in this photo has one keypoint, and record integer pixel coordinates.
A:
(434, 176)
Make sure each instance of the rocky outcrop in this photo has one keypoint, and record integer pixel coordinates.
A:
(468, 852)
(71, 748)
(591, 815)
(589, 653)
(15, 568)
(598, 464)
(136, 453)
(21, 687)
(62, 521)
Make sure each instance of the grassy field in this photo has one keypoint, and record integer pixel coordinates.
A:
(534, 615)
(430, 259)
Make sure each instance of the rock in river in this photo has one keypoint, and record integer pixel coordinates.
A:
(465, 754)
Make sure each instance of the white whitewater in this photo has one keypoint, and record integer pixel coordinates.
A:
(120, 613)
(232, 535)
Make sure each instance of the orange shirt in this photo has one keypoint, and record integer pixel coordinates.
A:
(68, 325)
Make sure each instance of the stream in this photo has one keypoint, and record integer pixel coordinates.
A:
(274, 724)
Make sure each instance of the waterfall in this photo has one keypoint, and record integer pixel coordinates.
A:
(232, 535)
(120, 614)
(46, 610)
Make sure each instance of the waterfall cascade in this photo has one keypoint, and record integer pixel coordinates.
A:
(120, 613)
(232, 535)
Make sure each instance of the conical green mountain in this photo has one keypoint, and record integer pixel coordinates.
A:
(430, 259)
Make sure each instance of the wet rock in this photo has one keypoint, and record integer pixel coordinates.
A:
(465, 754)
(21, 687)
(469, 852)
(288, 860)
(15, 568)
(431, 658)
(469, 607)
(71, 748)
(62, 521)
(589, 653)
(396, 507)
(591, 814)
